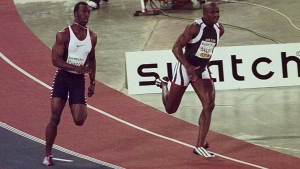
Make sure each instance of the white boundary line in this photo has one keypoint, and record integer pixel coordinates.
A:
(64, 160)
(123, 121)
(21, 133)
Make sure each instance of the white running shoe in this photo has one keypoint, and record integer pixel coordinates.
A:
(158, 82)
(203, 152)
(48, 160)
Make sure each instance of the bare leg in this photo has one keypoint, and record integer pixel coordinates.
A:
(165, 93)
(57, 106)
(205, 90)
(79, 113)
(171, 99)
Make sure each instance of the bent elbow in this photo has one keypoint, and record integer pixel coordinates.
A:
(174, 49)
(54, 62)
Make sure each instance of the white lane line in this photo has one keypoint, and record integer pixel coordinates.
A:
(61, 159)
(125, 122)
(28, 136)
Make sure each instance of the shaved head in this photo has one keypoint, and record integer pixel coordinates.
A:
(208, 5)
(211, 12)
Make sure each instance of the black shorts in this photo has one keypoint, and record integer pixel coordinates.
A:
(66, 83)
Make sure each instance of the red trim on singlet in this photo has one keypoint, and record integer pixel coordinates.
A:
(197, 79)
(178, 84)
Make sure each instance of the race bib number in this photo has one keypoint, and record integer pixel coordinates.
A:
(205, 50)
(75, 61)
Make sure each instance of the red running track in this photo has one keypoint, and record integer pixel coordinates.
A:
(129, 143)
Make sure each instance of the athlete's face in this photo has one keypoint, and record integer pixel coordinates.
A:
(82, 15)
(211, 13)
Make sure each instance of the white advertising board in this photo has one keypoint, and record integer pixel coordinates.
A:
(234, 67)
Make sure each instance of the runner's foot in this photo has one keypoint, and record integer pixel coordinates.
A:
(48, 160)
(203, 152)
(159, 82)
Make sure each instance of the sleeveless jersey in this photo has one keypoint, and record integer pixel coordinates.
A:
(78, 50)
(199, 50)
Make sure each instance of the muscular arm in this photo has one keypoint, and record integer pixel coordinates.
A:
(92, 58)
(58, 50)
(189, 33)
(92, 64)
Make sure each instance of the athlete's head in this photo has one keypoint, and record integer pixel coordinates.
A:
(211, 13)
(82, 13)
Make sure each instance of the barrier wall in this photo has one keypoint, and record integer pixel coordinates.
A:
(234, 67)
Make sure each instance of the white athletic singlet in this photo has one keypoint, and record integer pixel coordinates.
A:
(78, 50)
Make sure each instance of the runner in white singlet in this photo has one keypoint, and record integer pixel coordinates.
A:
(73, 53)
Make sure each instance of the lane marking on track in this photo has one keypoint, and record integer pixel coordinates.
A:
(28, 136)
(61, 159)
(123, 121)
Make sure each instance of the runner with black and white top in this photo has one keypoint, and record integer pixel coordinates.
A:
(193, 50)
(198, 52)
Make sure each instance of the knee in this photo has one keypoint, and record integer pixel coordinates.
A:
(79, 121)
(54, 121)
(208, 107)
(211, 106)
(170, 110)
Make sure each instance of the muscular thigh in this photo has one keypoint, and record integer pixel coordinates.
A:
(57, 106)
(175, 95)
(205, 90)
(79, 111)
